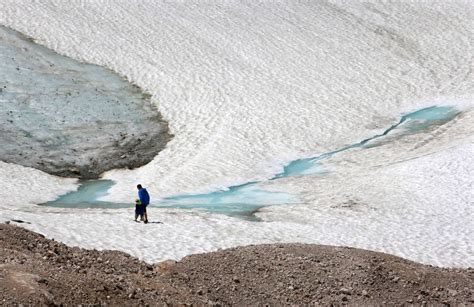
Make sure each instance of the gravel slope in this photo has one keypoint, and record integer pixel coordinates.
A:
(35, 270)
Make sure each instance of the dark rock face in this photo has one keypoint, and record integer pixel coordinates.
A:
(69, 118)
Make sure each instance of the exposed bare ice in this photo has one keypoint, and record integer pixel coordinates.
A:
(70, 118)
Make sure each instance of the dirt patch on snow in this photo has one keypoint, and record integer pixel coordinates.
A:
(69, 118)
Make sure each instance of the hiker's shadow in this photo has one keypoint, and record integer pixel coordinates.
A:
(155, 222)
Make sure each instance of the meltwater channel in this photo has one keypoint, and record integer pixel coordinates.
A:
(244, 200)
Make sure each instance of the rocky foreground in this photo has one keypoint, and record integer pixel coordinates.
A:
(35, 270)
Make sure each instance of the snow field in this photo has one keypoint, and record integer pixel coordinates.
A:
(248, 87)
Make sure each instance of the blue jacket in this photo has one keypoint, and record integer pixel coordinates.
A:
(144, 197)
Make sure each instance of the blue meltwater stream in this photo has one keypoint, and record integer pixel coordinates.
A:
(244, 200)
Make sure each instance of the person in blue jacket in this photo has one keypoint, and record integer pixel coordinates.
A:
(144, 199)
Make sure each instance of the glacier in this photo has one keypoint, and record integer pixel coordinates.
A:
(247, 88)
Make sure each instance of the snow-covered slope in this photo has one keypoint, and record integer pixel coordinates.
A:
(249, 86)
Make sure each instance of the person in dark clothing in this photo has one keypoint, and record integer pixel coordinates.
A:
(144, 199)
(139, 210)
